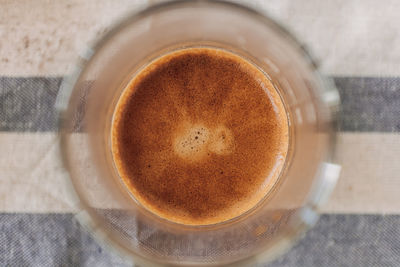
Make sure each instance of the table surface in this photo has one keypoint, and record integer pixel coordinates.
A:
(356, 42)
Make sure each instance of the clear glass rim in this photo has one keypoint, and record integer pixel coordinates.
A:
(86, 216)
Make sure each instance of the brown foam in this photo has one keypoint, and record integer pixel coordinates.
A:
(199, 136)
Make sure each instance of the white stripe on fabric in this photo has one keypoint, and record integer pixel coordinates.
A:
(32, 177)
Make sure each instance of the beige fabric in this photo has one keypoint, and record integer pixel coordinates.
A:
(43, 37)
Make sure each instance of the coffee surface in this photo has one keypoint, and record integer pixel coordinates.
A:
(199, 136)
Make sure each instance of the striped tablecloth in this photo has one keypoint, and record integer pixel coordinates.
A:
(357, 43)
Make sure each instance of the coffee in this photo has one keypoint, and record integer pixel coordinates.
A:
(199, 136)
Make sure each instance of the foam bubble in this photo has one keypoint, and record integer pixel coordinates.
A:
(221, 142)
(191, 142)
(194, 142)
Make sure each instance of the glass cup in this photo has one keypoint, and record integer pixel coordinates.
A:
(87, 100)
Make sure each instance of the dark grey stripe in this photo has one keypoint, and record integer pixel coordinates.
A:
(368, 104)
(336, 240)
(27, 104)
(348, 240)
(49, 240)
